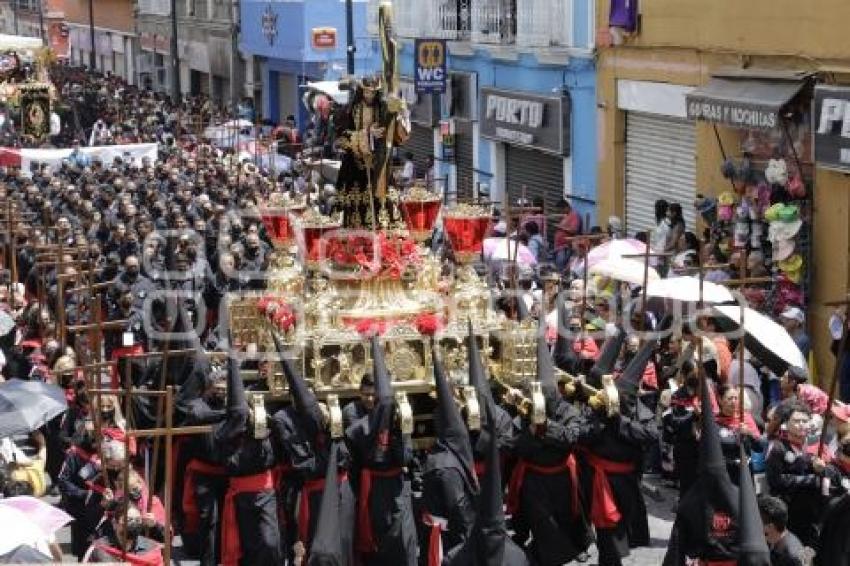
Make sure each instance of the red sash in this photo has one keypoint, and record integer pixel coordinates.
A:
(435, 540)
(480, 468)
(191, 515)
(231, 549)
(307, 491)
(152, 557)
(365, 537)
(603, 509)
(523, 467)
(122, 352)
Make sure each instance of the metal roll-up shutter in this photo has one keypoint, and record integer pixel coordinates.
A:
(464, 160)
(541, 174)
(421, 145)
(660, 163)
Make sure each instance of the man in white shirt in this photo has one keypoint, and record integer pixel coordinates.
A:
(408, 173)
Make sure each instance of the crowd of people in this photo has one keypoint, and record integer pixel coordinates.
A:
(167, 240)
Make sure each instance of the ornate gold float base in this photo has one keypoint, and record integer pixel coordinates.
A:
(382, 299)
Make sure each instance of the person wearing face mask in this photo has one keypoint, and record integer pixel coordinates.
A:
(205, 477)
(795, 472)
(125, 542)
(79, 498)
(253, 259)
(131, 341)
(681, 421)
(131, 279)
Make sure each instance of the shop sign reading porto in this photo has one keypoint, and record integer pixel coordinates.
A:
(430, 66)
(832, 127)
(528, 119)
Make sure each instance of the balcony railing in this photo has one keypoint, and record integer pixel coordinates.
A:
(199, 9)
(155, 7)
(544, 23)
(442, 19)
(493, 21)
(527, 23)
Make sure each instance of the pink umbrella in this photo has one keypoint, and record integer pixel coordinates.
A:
(46, 517)
(615, 249)
(506, 249)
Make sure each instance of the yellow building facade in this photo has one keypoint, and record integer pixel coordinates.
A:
(681, 45)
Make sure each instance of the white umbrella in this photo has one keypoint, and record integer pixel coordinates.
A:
(623, 269)
(9, 42)
(502, 249)
(615, 249)
(20, 530)
(686, 289)
(766, 339)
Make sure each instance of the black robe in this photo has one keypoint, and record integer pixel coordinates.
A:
(208, 489)
(244, 455)
(306, 448)
(791, 477)
(549, 503)
(621, 439)
(447, 495)
(703, 529)
(680, 421)
(390, 505)
(835, 534)
(78, 498)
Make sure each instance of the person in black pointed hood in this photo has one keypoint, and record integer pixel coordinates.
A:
(563, 355)
(306, 446)
(706, 526)
(610, 352)
(611, 463)
(752, 546)
(543, 492)
(201, 401)
(489, 543)
(450, 485)
(386, 530)
(328, 546)
(249, 526)
(503, 424)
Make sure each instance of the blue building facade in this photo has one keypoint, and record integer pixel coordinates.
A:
(279, 35)
(494, 85)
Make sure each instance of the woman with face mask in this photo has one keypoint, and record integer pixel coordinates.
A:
(734, 430)
(795, 471)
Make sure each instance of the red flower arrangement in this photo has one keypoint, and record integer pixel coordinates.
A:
(279, 312)
(369, 327)
(377, 256)
(428, 323)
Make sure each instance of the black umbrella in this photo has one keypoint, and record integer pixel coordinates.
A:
(25, 555)
(28, 405)
(767, 340)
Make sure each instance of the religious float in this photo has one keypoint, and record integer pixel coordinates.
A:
(337, 280)
(25, 87)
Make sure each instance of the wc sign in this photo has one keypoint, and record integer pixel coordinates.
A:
(832, 127)
(430, 66)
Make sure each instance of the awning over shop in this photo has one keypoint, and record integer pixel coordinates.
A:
(754, 100)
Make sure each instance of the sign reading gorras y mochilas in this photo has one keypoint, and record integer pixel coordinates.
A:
(831, 127)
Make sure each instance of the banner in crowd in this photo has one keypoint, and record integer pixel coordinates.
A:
(35, 112)
(26, 158)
